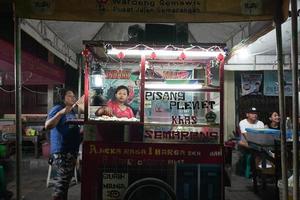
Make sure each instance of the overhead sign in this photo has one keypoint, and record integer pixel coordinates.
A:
(149, 10)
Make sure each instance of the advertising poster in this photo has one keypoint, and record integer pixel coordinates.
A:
(251, 84)
(183, 116)
(114, 185)
(116, 97)
(271, 83)
(182, 107)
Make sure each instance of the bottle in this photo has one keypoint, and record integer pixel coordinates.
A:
(288, 123)
(137, 115)
(288, 126)
(291, 181)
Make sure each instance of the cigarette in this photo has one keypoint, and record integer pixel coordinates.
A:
(76, 103)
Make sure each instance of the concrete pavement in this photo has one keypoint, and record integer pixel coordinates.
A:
(34, 175)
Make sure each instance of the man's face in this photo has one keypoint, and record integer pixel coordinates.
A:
(252, 117)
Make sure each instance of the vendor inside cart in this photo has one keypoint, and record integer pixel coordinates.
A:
(118, 105)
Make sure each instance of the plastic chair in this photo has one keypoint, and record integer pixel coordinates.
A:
(246, 157)
(237, 133)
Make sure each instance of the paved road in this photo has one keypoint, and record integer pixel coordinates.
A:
(34, 176)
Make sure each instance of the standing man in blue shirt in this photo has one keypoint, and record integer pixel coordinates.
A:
(64, 140)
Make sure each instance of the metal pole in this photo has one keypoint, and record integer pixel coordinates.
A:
(86, 90)
(18, 103)
(221, 75)
(79, 63)
(281, 109)
(79, 59)
(295, 99)
(142, 87)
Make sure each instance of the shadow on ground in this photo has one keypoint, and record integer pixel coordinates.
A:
(34, 175)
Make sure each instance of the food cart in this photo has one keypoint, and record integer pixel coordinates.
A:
(173, 146)
(104, 144)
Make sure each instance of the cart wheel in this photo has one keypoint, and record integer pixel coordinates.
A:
(153, 187)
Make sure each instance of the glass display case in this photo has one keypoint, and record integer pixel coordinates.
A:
(175, 93)
(181, 103)
(104, 83)
(174, 87)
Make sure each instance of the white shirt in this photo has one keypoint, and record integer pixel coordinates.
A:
(245, 124)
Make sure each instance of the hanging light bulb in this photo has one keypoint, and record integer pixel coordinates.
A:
(121, 55)
(85, 52)
(220, 57)
(182, 56)
(153, 55)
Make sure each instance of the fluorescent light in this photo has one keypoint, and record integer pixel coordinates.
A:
(165, 54)
(96, 80)
(163, 86)
(243, 53)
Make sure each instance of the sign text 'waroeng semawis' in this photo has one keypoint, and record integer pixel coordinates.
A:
(151, 10)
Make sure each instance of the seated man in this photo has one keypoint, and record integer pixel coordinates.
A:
(251, 121)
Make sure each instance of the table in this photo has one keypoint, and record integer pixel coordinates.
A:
(263, 152)
(35, 141)
(11, 137)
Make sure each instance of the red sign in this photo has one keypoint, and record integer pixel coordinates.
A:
(184, 153)
(177, 74)
(100, 158)
(117, 74)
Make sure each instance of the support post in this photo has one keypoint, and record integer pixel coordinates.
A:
(281, 109)
(18, 103)
(79, 63)
(295, 116)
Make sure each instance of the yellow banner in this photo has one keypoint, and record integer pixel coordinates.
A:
(149, 10)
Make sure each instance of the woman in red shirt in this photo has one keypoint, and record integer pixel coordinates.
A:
(117, 107)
